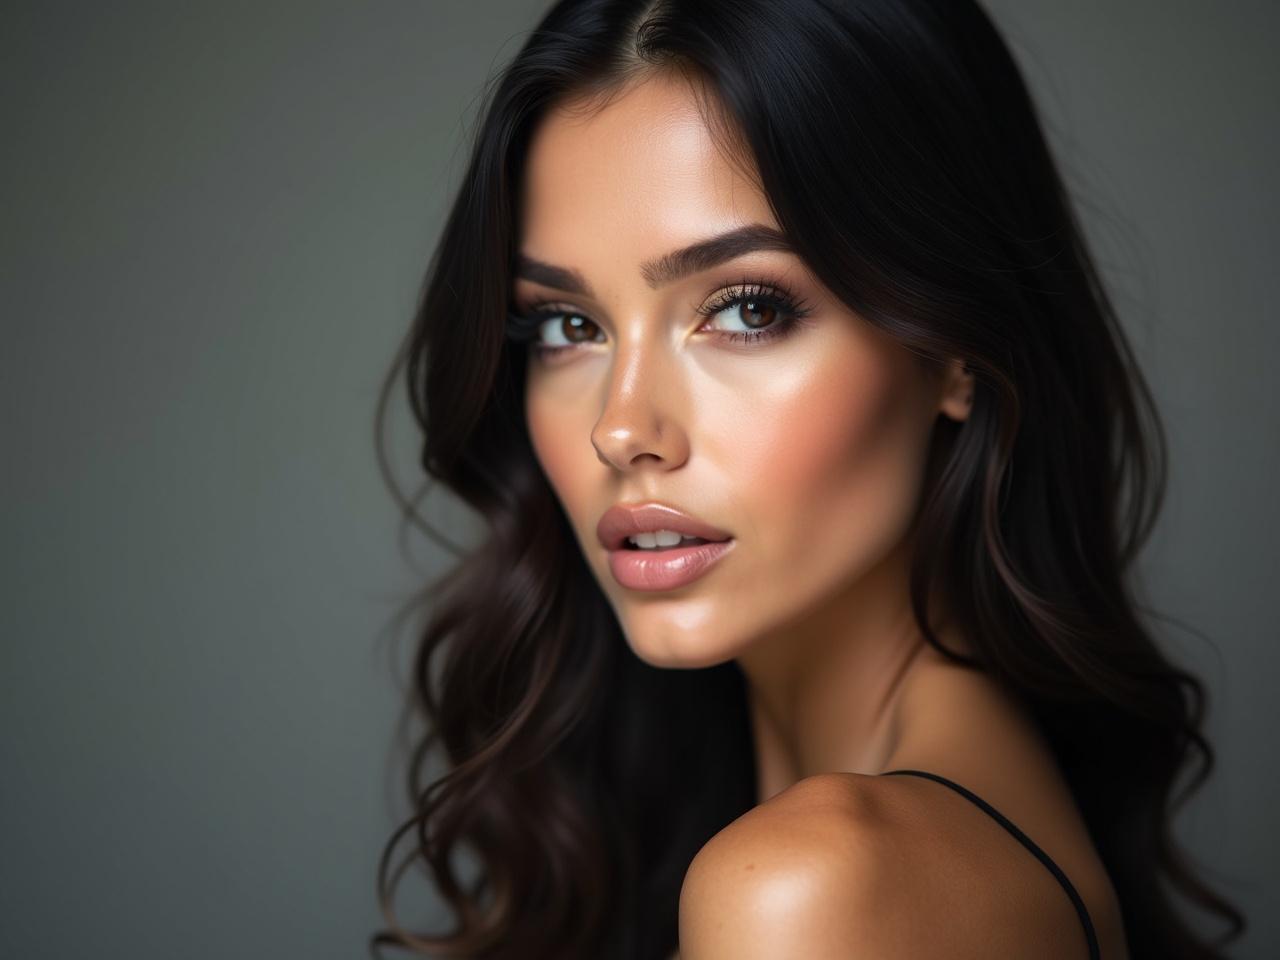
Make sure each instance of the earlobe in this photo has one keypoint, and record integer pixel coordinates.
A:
(957, 390)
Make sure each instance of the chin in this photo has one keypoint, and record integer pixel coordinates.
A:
(676, 640)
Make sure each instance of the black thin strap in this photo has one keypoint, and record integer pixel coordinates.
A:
(1094, 952)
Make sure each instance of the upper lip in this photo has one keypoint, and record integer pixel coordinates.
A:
(624, 520)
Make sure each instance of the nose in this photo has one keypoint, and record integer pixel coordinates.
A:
(641, 422)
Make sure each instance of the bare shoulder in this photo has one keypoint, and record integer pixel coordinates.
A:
(786, 879)
(847, 866)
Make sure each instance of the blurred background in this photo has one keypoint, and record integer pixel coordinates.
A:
(215, 220)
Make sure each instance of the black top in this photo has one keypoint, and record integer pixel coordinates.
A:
(1094, 952)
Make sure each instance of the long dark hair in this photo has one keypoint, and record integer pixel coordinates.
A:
(903, 157)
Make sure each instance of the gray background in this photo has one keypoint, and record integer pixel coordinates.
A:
(215, 220)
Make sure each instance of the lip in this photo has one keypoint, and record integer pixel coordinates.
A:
(664, 569)
(624, 520)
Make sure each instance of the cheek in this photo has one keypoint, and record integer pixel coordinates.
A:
(559, 430)
(834, 459)
(552, 438)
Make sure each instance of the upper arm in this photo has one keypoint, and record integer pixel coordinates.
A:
(784, 885)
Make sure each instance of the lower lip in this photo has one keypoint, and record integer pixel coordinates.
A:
(665, 569)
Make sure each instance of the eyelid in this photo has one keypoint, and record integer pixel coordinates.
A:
(722, 296)
(747, 289)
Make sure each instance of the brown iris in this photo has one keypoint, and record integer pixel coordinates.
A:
(763, 310)
(573, 321)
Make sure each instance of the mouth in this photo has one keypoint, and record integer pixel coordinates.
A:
(655, 546)
(654, 526)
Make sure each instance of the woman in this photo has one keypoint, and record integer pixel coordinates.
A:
(813, 463)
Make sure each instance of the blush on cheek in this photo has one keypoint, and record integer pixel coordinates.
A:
(838, 487)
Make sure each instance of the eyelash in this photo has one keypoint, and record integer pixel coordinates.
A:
(523, 327)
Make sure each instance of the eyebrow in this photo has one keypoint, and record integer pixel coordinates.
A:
(670, 267)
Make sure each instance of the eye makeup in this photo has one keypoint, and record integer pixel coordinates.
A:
(757, 298)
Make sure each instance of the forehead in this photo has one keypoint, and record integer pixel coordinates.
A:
(642, 174)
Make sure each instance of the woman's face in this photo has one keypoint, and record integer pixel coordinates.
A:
(806, 444)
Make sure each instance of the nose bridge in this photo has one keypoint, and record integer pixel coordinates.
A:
(641, 408)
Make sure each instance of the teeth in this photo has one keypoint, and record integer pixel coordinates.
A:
(658, 539)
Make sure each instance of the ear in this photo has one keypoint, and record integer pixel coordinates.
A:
(956, 390)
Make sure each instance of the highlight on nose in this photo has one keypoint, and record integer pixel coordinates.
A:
(622, 440)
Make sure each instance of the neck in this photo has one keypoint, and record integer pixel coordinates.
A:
(825, 694)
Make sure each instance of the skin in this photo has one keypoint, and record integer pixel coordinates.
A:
(810, 450)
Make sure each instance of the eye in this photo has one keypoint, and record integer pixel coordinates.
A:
(765, 312)
(571, 328)
(550, 330)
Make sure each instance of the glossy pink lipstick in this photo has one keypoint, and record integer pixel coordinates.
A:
(664, 568)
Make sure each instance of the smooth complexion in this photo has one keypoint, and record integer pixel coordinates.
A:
(810, 448)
